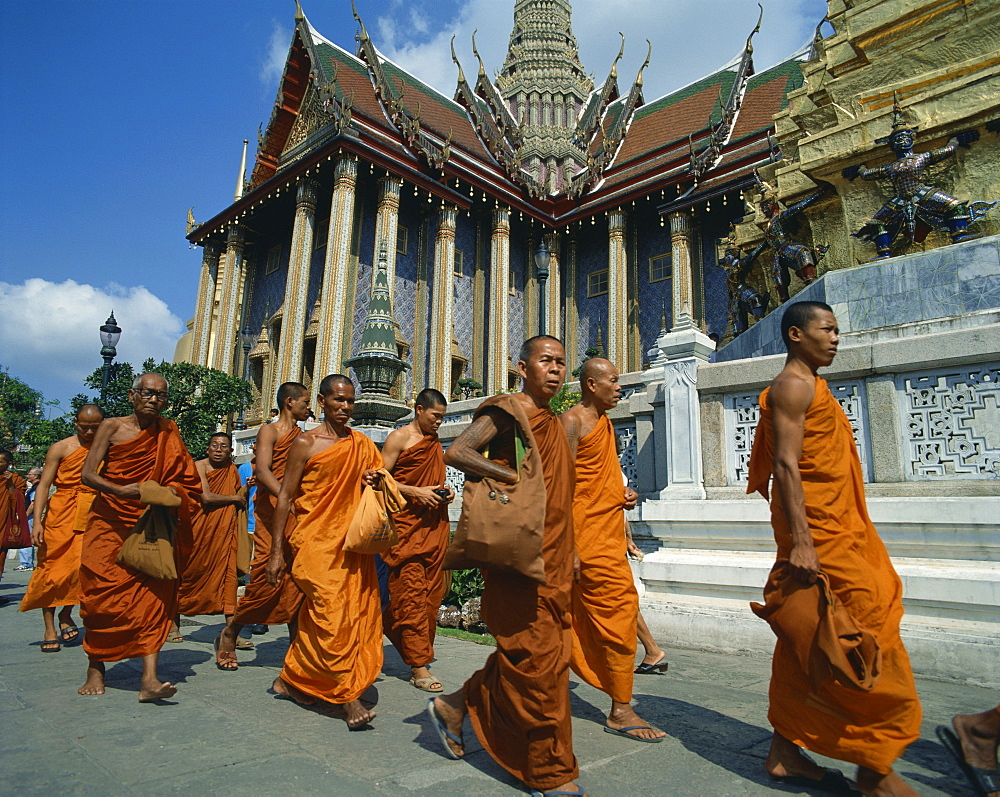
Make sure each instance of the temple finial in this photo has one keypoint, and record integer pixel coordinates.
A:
(621, 52)
(475, 52)
(454, 57)
(357, 16)
(760, 18)
(242, 176)
(299, 15)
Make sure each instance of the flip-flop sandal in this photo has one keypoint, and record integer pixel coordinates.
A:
(69, 633)
(983, 781)
(625, 732)
(244, 644)
(175, 637)
(832, 782)
(51, 646)
(427, 684)
(443, 733)
(225, 657)
(655, 668)
(578, 793)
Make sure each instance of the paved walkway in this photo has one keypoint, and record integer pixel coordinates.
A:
(224, 734)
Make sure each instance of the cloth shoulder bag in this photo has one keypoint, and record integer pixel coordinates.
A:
(372, 528)
(16, 532)
(502, 525)
(150, 547)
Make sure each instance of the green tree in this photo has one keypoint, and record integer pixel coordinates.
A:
(200, 397)
(563, 400)
(19, 406)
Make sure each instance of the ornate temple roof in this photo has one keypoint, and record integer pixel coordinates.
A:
(686, 146)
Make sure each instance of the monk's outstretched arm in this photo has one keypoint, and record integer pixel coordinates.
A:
(465, 453)
(98, 451)
(789, 399)
(53, 457)
(297, 456)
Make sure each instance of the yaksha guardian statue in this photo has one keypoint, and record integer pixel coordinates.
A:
(778, 227)
(744, 301)
(916, 208)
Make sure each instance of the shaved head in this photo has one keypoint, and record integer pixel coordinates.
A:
(595, 368)
(89, 412)
(327, 385)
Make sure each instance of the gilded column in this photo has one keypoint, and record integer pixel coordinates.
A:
(553, 289)
(293, 324)
(335, 308)
(572, 313)
(225, 335)
(387, 225)
(682, 301)
(499, 348)
(617, 291)
(442, 327)
(205, 305)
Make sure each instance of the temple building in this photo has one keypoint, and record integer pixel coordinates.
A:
(628, 197)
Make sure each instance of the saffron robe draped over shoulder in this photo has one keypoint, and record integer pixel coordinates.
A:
(871, 729)
(605, 601)
(261, 603)
(126, 612)
(208, 578)
(337, 653)
(519, 701)
(56, 580)
(415, 583)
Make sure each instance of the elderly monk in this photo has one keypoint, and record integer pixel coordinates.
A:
(337, 653)
(263, 603)
(605, 601)
(519, 701)
(58, 532)
(126, 612)
(821, 524)
(414, 456)
(13, 518)
(208, 580)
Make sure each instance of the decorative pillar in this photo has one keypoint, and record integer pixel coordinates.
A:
(682, 304)
(442, 326)
(572, 312)
(205, 304)
(225, 336)
(617, 291)
(335, 309)
(293, 324)
(553, 289)
(499, 347)
(387, 224)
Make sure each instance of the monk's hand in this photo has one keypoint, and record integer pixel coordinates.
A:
(634, 551)
(804, 563)
(370, 477)
(631, 498)
(37, 534)
(128, 491)
(451, 493)
(576, 566)
(275, 567)
(425, 496)
(240, 502)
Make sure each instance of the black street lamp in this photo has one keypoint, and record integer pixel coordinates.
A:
(246, 341)
(542, 256)
(110, 333)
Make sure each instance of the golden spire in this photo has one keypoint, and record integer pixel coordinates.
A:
(242, 176)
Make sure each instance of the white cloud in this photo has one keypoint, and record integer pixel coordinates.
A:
(691, 38)
(50, 330)
(272, 65)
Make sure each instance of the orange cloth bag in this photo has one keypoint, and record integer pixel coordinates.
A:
(150, 546)
(372, 528)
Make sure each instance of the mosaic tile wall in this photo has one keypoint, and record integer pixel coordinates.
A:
(716, 299)
(464, 301)
(268, 290)
(653, 240)
(405, 294)
(592, 255)
(366, 256)
(515, 311)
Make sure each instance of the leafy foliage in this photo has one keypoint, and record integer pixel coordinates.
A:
(465, 585)
(200, 397)
(563, 400)
(23, 429)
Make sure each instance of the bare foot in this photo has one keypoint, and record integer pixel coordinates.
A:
(879, 785)
(225, 659)
(623, 716)
(227, 641)
(979, 734)
(94, 685)
(284, 689)
(654, 656)
(357, 715)
(151, 691)
(785, 759)
(450, 709)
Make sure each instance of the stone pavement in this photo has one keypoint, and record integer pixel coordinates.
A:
(224, 734)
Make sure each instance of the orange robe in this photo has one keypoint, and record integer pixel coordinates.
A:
(261, 603)
(605, 601)
(126, 612)
(56, 580)
(869, 729)
(519, 701)
(208, 581)
(415, 584)
(12, 506)
(337, 653)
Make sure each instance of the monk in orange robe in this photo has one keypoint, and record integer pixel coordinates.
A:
(605, 601)
(208, 580)
(821, 523)
(262, 603)
(56, 579)
(337, 652)
(414, 456)
(126, 613)
(13, 519)
(519, 701)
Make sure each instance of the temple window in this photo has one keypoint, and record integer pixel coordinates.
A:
(597, 283)
(660, 268)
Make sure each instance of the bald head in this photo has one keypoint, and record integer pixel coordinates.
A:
(90, 412)
(88, 418)
(328, 384)
(594, 368)
(599, 384)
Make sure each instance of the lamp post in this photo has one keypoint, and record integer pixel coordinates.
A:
(110, 333)
(542, 256)
(246, 341)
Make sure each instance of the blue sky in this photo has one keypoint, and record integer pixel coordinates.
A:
(121, 115)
